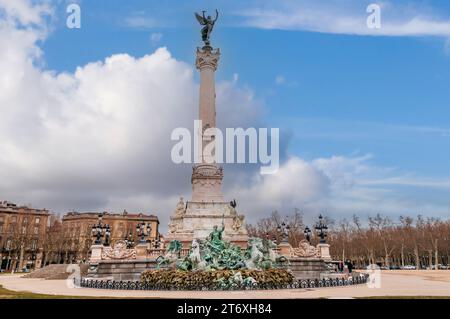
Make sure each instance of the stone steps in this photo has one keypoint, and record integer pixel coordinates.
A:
(55, 272)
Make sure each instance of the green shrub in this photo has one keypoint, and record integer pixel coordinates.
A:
(214, 279)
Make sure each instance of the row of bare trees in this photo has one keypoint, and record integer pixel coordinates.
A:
(421, 242)
(65, 245)
(22, 245)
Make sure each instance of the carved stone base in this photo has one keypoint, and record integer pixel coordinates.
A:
(141, 250)
(285, 249)
(324, 251)
(96, 253)
(307, 268)
(207, 183)
(199, 220)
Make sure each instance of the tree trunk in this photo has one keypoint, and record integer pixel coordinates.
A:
(416, 254)
(44, 260)
(430, 259)
(403, 255)
(21, 257)
(436, 253)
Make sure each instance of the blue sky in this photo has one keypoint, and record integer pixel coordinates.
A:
(373, 102)
(340, 94)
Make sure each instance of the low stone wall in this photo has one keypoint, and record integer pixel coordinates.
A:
(307, 268)
(121, 269)
(302, 268)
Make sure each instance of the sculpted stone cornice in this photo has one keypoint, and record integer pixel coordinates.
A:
(305, 249)
(119, 251)
(207, 58)
(207, 171)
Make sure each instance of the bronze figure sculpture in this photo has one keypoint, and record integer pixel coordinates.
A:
(208, 23)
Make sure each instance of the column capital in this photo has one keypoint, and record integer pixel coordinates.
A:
(207, 57)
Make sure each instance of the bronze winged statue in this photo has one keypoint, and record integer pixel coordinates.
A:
(208, 23)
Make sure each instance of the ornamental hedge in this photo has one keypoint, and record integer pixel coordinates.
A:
(216, 279)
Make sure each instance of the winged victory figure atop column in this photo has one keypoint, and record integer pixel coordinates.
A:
(208, 23)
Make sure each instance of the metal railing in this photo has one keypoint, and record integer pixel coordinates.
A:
(298, 284)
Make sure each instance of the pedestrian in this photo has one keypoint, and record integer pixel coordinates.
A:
(349, 266)
(341, 266)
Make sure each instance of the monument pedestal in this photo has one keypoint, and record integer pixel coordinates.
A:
(324, 251)
(284, 249)
(141, 250)
(96, 253)
(199, 219)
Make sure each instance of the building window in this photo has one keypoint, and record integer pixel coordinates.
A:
(14, 219)
(37, 220)
(1, 219)
(25, 220)
(12, 229)
(36, 230)
(33, 244)
(1, 229)
(24, 230)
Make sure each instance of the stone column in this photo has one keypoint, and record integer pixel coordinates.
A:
(207, 176)
(207, 62)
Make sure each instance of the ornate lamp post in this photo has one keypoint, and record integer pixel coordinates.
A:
(308, 234)
(101, 230)
(107, 235)
(143, 230)
(321, 230)
(129, 241)
(156, 242)
(283, 230)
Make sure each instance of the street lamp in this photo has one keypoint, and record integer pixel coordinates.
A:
(157, 242)
(143, 230)
(283, 230)
(321, 230)
(129, 240)
(107, 235)
(308, 234)
(101, 230)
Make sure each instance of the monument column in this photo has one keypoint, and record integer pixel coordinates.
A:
(207, 176)
(207, 63)
(207, 208)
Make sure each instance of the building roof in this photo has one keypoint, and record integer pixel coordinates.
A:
(9, 207)
(124, 215)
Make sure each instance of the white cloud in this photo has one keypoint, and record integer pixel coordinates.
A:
(155, 38)
(25, 12)
(99, 139)
(347, 18)
(340, 187)
(140, 19)
(279, 79)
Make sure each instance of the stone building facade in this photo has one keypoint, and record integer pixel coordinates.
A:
(22, 235)
(77, 231)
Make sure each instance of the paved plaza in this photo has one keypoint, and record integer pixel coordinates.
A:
(393, 283)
